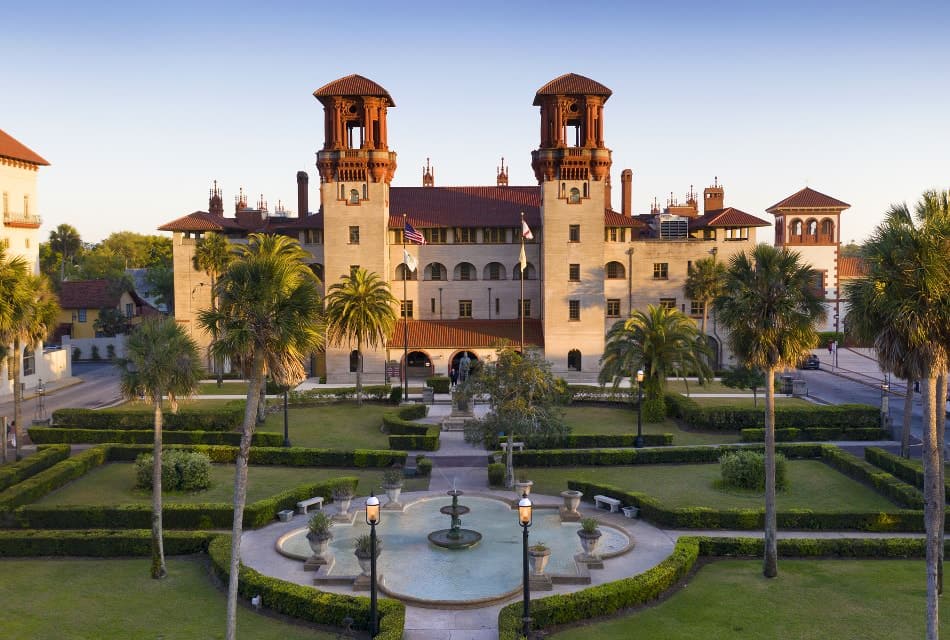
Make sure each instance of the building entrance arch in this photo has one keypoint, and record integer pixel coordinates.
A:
(455, 362)
(418, 365)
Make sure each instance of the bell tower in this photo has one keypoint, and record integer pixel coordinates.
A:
(356, 168)
(572, 165)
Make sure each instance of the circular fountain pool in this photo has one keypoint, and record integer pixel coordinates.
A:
(413, 569)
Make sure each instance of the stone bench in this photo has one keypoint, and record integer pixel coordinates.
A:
(303, 505)
(611, 504)
(515, 446)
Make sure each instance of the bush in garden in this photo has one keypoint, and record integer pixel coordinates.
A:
(496, 474)
(746, 470)
(181, 471)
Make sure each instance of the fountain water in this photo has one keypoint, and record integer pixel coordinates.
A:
(455, 537)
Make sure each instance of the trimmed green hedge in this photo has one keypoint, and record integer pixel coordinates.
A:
(910, 471)
(174, 516)
(307, 603)
(44, 458)
(604, 599)
(222, 419)
(606, 457)
(597, 393)
(439, 384)
(377, 392)
(854, 467)
(51, 435)
(99, 543)
(589, 440)
(817, 434)
(284, 456)
(405, 434)
(48, 480)
(735, 418)
(816, 548)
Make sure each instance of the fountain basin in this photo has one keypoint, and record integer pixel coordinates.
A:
(450, 539)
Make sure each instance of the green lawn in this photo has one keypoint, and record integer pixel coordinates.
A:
(810, 600)
(228, 388)
(750, 402)
(93, 599)
(113, 484)
(186, 402)
(811, 485)
(615, 420)
(340, 425)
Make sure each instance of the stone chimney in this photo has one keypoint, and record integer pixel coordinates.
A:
(303, 194)
(626, 192)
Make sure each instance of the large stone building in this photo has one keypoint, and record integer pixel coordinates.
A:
(589, 262)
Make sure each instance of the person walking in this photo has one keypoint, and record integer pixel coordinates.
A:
(454, 377)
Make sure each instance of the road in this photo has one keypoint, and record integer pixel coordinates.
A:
(99, 388)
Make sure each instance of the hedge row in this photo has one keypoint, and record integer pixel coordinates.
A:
(99, 543)
(590, 440)
(816, 548)
(597, 393)
(307, 603)
(44, 458)
(48, 480)
(910, 471)
(174, 516)
(439, 384)
(886, 484)
(283, 456)
(607, 457)
(221, 419)
(604, 599)
(817, 434)
(379, 392)
(408, 435)
(735, 418)
(50, 435)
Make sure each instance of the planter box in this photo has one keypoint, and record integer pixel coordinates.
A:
(631, 512)
(286, 515)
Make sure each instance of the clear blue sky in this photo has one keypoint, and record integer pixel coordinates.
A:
(139, 109)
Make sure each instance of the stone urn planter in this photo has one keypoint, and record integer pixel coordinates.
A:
(319, 536)
(363, 555)
(572, 499)
(539, 555)
(392, 484)
(590, 535)
(343, 497)
(319, 543)
(522, 487)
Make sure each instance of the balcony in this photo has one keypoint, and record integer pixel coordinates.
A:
(23, 220)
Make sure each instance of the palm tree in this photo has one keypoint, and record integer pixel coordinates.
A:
(160, 359)
(13, 273)
(212, 255)
(662, 342)
(772, 309)
(65, 241)
(360, 307)
(268, 316)
(704, 283)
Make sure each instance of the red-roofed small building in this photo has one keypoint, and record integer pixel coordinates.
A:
(81, 301)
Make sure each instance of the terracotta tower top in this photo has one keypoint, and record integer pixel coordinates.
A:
(501, 178)
(428, 175)
(215, 202)
(572, 130)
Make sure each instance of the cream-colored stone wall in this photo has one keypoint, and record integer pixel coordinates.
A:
(17, 180)
(192, 291)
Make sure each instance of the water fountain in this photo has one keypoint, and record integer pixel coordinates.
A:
(455, 537)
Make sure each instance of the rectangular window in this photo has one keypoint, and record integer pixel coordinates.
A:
(354, 235)
(128, 309)
(696, 308)
(436, 236)
(494, 271)
(668, 303)
(497, 306)
(26, 205)
(661, 270)
(397, 236)
(573, 310)
(405, 308)
(432, 301)
(525, 308)
(466, 271)
(81, 315)
(574, 233)
(464, 235)
(574, 272)
(313, 236)
(613, 234)
(613, 307)
(493, 234)
(465, 308)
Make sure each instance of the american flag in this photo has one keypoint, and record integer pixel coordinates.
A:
(412, 235)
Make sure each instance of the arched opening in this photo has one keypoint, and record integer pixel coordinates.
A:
(29, 361)
(811, 228)
(354, 196)
(575, 195)
(403, 273)
(827, 231)
(615, 270)
(464, 271)
(573, 360)
(530, 273)
(797, 228)
(418, 365)
(355, 361)
(456, 364)
(494, 271)
(434, 271)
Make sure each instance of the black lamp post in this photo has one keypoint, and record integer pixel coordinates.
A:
(524, 517)
(639, 440)
(286, 433)
(372, 519)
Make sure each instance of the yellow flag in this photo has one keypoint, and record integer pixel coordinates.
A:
(522, 260)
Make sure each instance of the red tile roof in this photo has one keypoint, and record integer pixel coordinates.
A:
(614, 219)
(728, 217)
(461, 334)
(204, 221)
(851, 267)
(465, 206)
(808, 199)
(572, 84)
(353, 85)
(87, 294)
(10, 147)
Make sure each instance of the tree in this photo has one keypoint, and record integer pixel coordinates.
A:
(65, 241)
(161, 282)
(661, 341)
(360, 308)
(13, 296)
(213, 255)
(744, 378)
(111, 322)
(160, 359)
(704, 283)
(771, 308)
(269, 317)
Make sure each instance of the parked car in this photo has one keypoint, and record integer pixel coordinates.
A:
(811, 362)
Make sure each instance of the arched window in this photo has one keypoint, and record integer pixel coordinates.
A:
(575, 195)
(464, 271)
(355, 361)
(797, 228)
(434, 271)
(615, 271)
(812, 228)
(29, 362)
(494, 271)
(827, 230)
(574, 360)
(354, 196)
(530, 273)
(403, 273)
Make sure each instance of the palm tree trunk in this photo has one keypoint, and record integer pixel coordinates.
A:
(17, 399)
(908, 416)
(932, 513)
(359, 374)
(940, 409)
(158, 549)
(240, 488)
(262, 401)
(770, 567)
(218, 364)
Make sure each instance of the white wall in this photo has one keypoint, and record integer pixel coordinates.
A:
(85, 346)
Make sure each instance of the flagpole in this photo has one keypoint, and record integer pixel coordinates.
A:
(521, 300)
(405, 318)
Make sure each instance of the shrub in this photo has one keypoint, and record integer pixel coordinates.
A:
(187, 419)
(181, 471)
(424, 467)
(95, 352)
(816, 434)
(77, 353)
(45, 457)
(51, 435)
(746, 470)
(61, 473)
(496, 474)
(395, 395)
(659, 455)
(286, 456)
(98, 543)
(592, 440)
(654, 410)
(439, 384)
(110, 351)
